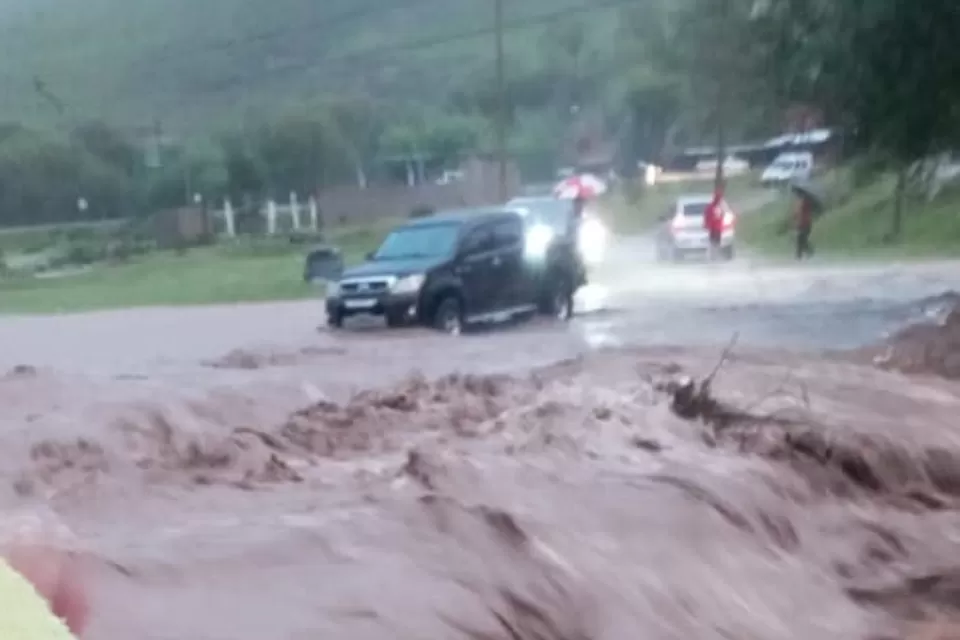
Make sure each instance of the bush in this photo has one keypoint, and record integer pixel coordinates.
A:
(304, 237)
(78, 253)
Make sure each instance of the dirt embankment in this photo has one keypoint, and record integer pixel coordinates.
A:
(589, 499)
(931, 347)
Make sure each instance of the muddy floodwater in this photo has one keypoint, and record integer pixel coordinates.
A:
(233, 473)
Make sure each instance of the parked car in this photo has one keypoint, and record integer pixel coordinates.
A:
(459, 268)
(792, 166)
(590, 235)
(682, 231)
(732, 165)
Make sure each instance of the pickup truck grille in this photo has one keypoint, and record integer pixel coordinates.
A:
(365, 286)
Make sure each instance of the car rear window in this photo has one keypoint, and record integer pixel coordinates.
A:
(692, 209)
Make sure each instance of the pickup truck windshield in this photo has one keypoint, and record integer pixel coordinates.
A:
(420, 241)
(554, 213)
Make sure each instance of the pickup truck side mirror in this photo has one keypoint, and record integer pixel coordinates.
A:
(370, 255)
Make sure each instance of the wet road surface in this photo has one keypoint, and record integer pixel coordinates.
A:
(632, 300)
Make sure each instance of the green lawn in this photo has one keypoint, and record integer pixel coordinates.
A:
(239, 272)
(856, 224)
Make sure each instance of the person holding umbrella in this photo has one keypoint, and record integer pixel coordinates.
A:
(713, 221)
(806, 205)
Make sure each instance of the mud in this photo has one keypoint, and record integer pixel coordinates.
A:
(931, 347)
(570, 501)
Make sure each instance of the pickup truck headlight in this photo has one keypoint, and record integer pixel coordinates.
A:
(333, 289)
(592, 239)
(537, 242)
(408, 284)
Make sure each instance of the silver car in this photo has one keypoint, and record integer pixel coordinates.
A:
(682, 231)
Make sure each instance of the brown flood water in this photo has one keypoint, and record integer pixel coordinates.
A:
(328, 493)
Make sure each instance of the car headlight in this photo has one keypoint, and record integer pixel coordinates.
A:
(538, 241)
(333, 289)
(592, 239)
(408, 284)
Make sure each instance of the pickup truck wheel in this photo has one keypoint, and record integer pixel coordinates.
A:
(559, 301)
(448, 316)
(335, 320)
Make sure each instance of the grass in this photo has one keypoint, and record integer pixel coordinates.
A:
(857, 221)
(639, 212)
(245, 271)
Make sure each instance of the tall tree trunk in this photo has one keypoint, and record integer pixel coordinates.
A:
(718, 178)
(896, 223)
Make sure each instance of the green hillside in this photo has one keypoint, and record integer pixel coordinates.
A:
(191, 61)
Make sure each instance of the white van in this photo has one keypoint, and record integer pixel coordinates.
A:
(787, 167)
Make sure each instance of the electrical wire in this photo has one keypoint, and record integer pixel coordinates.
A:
(372, 53)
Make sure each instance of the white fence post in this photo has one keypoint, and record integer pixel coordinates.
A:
(314, 218)
(228, 221)
(271, 217)
(295, 211)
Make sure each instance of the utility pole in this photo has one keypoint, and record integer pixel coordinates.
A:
(719, 179)
(501, 124)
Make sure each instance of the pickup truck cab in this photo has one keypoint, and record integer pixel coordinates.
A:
(459, 268)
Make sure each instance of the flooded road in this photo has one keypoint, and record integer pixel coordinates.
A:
(236, 473)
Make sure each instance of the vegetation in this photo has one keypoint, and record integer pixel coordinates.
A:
(249, 270)
(239, 99)
(857, 223)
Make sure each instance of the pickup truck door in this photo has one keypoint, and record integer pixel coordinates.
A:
(510, 275)
(477, 267)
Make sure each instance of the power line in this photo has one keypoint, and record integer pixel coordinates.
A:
(418, 43)
(400, 47)
(424, 43)
(371, 8)
(501, 102)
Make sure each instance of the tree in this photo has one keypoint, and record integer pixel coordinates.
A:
(43, 177)
(300, 152)
(109, 145)
(361, 127)
(885, 70)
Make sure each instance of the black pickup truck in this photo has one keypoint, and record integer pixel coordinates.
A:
(460, 268)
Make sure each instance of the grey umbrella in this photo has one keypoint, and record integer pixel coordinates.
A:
(809, 192)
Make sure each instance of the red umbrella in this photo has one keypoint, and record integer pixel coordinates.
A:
(582, 186)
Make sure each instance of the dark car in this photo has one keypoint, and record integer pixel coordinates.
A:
(459, 268)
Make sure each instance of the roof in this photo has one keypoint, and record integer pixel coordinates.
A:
(530, 200)
(694, 198)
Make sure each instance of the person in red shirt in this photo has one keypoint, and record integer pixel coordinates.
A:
(713, 221)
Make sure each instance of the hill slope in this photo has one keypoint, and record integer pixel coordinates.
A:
(190, 62)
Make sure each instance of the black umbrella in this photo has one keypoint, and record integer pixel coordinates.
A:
(810, 193)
